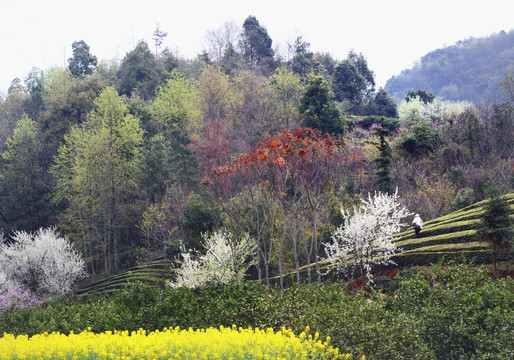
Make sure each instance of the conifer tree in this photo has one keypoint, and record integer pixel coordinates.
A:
(23, 184)
(383, 162)
(496, 227)
(319, 111)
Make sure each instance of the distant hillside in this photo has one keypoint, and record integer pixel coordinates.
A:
(469, 70)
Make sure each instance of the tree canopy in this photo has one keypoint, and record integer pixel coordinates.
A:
(83, 62)
(318, 109)
(131, 158)
(468, 70)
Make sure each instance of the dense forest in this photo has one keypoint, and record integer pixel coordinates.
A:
(468, 70)
(134, 159)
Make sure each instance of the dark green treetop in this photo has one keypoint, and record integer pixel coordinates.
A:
(256, 43)
(384, 105)
(82, 63)
(319, 111)
(425, 96)
(383, 161)
(138, 73)
(496, 227)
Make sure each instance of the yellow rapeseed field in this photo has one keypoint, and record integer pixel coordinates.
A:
(223, 344)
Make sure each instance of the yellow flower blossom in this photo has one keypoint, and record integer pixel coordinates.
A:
(170, 343)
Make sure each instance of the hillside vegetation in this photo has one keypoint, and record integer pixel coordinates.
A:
(448, 236)
(452, 236)
(450, 311)
(468, 70)
(142, 158)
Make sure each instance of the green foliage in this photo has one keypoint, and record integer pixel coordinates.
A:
(198, 218)
(34, 83)
(462, 313)
(423, 95)
(353, 84)
(383, 161)
(256, 44)
(453, 311)
(288, 90)
(421, 140)
(97, 171)
(82, 63)
(175, 103)
(348, 83)
(464, 197)
(67, 101)
(176, 116)
(496, 227)
(138, 73)
(468, 70)
(319, 111)
(362, 66)
(384, 105)
(23, 180)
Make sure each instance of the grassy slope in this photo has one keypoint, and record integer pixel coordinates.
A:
(450, 235)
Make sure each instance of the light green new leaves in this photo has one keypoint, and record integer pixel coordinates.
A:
(175, 104)
(98, 169)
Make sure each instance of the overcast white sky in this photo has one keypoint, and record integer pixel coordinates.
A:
(392, 34)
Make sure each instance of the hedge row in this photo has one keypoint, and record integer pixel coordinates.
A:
(450, 312)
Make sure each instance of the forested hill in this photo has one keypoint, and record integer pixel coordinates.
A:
(468, 70)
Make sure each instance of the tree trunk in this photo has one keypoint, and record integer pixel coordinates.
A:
(315, 242)
(295, 253)
(114, 229)
(280, 258)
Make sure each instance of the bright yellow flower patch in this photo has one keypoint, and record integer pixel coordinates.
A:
(222, 344)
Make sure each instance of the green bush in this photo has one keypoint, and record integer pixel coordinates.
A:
(451, 311)
(462, 313)
(420, 140)
(464, 197)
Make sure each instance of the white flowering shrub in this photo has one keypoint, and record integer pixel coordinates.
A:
(42, 262)
(410, 110)
(5, 282)
(438, 111)
(364, 240)
(225, 261)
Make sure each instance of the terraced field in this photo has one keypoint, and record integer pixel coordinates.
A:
(157, 271)
(452, 235)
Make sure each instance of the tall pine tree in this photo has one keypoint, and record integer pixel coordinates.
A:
(23, 180)
(382, 163)
(496, 228)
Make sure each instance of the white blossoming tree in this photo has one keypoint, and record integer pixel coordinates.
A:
(364, 240)
(225, 261)
(42, 262)
(438, 111)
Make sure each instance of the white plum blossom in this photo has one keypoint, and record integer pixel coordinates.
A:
(365, 238)
(225, 260)
(5, 282)
(42, 262)
(438, 111)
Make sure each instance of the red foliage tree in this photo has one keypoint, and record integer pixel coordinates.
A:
(298, 169)
(212, 148)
